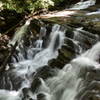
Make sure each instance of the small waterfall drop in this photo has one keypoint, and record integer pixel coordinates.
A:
(42, 57)
(20, 33)
(39, 42)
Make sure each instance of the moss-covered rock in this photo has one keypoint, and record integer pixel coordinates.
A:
(66, 54)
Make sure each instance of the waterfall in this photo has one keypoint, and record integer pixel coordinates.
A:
(65, 85)
(43, 56)
(67, 82)
(26, 67)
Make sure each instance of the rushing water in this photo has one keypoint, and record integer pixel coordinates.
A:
(68, 82)
(65, 85)
(43, 56)
(25, 67)
(83, 4)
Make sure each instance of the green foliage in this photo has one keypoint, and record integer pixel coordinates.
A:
(18, 5)
(43, 4)
(30, 5)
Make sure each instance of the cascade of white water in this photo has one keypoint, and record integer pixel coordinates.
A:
(83, 4)
(65, 85)
(27, 67)
(30, 51)
(93, 53)
(18, 38)
(42, 57)
(38, 43)
(19, 33)
(58, 34)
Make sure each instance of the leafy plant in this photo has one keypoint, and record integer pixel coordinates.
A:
(30, 5)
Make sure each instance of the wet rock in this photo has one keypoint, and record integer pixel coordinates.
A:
(56, 63)
(66, 54)
(93, 8)
(91, 90)
(96, 97)
(93, 76)
(25, 92)
(73, 45)
(69, 32)
(41, 96)
(67, 51)
(35, 26)
(4, 49)
(44, 73)
(88, 96)
(94, 85)
(35, 84)
(10, 81)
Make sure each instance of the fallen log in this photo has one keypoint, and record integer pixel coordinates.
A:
(74, 19)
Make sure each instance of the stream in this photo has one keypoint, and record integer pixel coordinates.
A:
(60, 63)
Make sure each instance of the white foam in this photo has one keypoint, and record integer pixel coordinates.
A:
(83, 4)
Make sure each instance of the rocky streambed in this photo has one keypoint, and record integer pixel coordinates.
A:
(82, 31)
